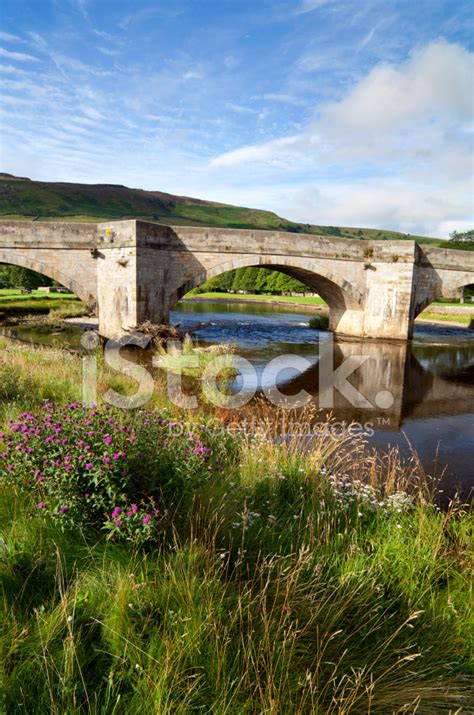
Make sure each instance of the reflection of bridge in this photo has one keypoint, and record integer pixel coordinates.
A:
(133, 270)
(416, 391)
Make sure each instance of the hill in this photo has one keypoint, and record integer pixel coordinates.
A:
(24, 199)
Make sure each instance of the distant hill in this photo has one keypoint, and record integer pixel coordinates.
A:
(24, 199)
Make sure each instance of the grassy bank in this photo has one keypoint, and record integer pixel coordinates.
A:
(279, 577)
(455, 318)
(14, 304)
(259, 298)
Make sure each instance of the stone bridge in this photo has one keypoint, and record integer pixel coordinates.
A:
(131, 271)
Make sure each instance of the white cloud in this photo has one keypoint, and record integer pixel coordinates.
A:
(240, 109)
(280, 97)
(193, 74)
(18, 56)
(10, 69)
(7, 37)
(309, 5)
(393, 108)
(408, 128)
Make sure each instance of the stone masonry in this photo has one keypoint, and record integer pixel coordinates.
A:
(131, 271)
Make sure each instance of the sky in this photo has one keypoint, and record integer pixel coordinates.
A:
(334, 112)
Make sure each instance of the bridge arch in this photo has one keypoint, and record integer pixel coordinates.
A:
(33, 264)
(442, 290)
(337, 292)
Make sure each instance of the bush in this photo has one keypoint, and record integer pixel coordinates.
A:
(319, 322)
(95, 467)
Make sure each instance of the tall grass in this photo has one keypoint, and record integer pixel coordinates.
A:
(276, 589)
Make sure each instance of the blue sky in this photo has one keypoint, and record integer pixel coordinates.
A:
(338, 112)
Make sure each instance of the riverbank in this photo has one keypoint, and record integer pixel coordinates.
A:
(284, 300)
(287, 577)
(438, 313)
(15, 305)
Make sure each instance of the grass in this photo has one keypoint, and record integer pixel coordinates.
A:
(258, 297)
(446, 318)
(16, 294)
(57, 305)
(281, 587)
(176, 359)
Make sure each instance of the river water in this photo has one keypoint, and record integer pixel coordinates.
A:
(419, 393)
(430, 379)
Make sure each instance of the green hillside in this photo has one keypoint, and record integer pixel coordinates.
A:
(24, 199)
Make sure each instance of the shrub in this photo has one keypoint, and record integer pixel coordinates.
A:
(94, 467)
(319, 322)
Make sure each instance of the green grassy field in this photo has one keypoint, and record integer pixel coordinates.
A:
(296, 577)
(22, 199)
(259, 297)
(445, 318)
(57, 305)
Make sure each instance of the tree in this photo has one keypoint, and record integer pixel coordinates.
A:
(237, 281)
(461, 240)
(462, 235)
(261, 283)
(17, 277)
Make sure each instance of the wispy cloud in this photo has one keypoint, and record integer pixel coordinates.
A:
(7, 37)
(309, 5)
(405, 125)
(430, 91)
(367, 39)
(17, 56)
(240, 109)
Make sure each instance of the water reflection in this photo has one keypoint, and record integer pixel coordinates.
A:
(423, 381)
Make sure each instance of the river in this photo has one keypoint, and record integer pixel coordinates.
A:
(418, 394)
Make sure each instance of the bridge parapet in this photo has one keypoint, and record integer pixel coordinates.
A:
(445, 258)
(45, 234)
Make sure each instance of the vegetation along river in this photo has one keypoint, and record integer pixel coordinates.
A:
(430, 380)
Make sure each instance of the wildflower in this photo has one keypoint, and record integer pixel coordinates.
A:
(88, 465)
(41, 505)
(64, 509)
(146, 519)
(118, 522)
